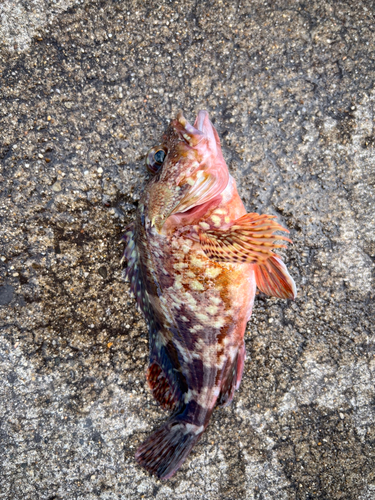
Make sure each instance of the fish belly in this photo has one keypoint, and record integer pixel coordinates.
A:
(208, 305)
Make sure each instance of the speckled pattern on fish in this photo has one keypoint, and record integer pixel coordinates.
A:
(195, 259)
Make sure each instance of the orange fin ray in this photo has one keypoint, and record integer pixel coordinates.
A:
(273, 278)
(249, 239)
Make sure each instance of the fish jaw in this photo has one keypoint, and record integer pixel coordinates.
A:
(194, 171)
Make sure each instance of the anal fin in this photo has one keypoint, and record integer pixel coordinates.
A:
(232, 378)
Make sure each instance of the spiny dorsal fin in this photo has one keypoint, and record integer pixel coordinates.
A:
(248, 239)
(132, 272)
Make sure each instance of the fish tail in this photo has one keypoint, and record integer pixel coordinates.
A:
(166, 449)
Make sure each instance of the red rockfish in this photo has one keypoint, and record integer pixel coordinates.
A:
(195, 259)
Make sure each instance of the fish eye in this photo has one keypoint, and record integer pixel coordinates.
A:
(155, 159)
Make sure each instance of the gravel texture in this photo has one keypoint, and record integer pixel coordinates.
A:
(86, 88)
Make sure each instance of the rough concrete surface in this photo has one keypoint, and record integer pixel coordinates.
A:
(86, 88)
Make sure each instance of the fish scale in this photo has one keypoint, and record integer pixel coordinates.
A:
(195, 259)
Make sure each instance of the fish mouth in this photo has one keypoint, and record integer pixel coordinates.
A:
(208, 179)
(204, 177)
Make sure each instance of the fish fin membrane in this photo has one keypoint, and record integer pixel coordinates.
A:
(249, 239)
(164, 376)
(166, 394)
(132, 273)
(232, 378)
(272, 278)
(163, 453)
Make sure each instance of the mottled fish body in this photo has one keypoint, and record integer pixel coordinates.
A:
(195, 259)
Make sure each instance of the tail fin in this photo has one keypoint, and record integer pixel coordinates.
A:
(166, 450)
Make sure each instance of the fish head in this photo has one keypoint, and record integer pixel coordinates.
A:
(190, 171)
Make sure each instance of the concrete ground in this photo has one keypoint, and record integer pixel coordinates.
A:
(86, 88)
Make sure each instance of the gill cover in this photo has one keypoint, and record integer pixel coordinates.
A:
(194, 170)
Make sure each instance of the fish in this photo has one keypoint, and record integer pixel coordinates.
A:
(195, 259)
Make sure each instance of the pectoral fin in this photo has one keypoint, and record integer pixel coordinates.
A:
(251, 239)
(248, 239)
